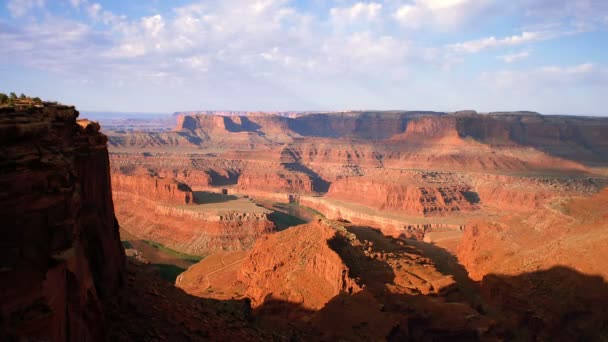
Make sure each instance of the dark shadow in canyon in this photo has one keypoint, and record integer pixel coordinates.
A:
(168, 272)
(448, 264)
(318, 183)
(205, 197)
(231, 178)
(193, 139)
(283, 220)
(558, 303)
(555, 304)
(246, 125)
(369, 271)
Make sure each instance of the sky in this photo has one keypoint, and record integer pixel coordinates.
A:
(549, 56)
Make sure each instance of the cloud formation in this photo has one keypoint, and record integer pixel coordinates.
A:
(474, 46)
(515, 57)
(331, 54)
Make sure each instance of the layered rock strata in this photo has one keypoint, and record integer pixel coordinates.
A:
(61, 252)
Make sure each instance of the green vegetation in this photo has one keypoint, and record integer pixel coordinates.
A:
(127, 245)
(284, 221)
(12, 99)
(206, 197)
(169, 272)
(180, 255)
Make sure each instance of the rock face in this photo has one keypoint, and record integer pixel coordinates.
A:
(294, 272)
(410, 194)
(274, 178)
(303, 271)
(169, 167)
(340, 282)
(580, 139)
(190, 230)
(153, 188)
(60, 253)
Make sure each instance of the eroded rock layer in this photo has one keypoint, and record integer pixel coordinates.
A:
(421, 164)
(60, 252)
(340, 282)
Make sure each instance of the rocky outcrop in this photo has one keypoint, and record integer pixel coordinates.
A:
(295, 269)
(60, 252)
(340, 282)
(327, 152)
(304, 258)
(273, 178)
(411, 197)
(389, 224)
(180, 168)
(154, 188)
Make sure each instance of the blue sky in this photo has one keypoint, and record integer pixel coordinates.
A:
(549, 56)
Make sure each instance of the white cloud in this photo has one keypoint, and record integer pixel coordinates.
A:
(57, 45)
(549, 76)
(515, 57)
(352, 51)
(474, 46)
(153, 25)
(439, 13)
(359, 11)
(94, 10)
(18, 8)
(363, 51)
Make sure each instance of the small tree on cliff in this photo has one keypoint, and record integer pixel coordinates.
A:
(22, 96)
(13, 96)
(3, 98)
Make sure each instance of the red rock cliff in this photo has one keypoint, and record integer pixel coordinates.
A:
(152, 187)
(60, 253)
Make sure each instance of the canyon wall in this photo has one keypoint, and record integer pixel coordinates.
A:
(152, 187)
(273, 178)
(191, 230)
(576, 138)
(408, 194)
(61, 252)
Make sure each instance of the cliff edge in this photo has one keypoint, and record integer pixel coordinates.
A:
(60, 254)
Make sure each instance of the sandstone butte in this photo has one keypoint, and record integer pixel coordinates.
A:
(516, 197)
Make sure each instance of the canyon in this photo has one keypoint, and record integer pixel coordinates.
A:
(487, 198)
(406, 173)
(303, 226)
